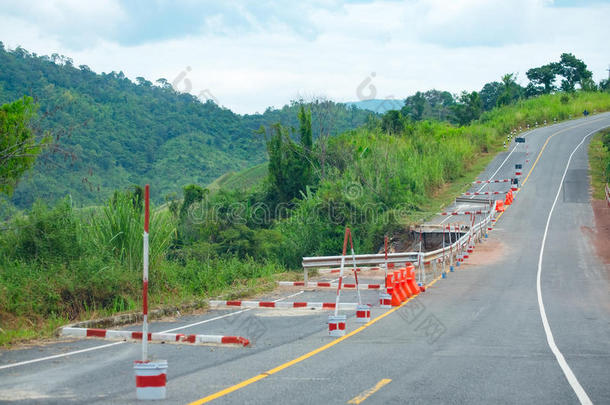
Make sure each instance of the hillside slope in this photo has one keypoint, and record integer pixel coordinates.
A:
(116, 132)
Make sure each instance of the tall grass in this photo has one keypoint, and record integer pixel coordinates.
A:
(118, 228)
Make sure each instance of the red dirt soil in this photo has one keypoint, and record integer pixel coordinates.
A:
(488, 252)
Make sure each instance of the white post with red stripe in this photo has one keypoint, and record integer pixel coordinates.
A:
(145, 276)
(444, 275)
(385, 299)
(385, 248)
(363, 312)
(336, 322)
(459, 248)
(151, 377)
(355, 269)
(450, 250)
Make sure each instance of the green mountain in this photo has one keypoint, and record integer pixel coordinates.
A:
(112, 133)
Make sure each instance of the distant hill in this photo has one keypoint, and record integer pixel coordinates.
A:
(117, 133)
(242, 180)
(378, 106)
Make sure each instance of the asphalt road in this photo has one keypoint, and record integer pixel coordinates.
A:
(476, 337)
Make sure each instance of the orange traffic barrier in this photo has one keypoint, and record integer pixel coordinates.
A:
(393, 290)
(509, 198)
(389, 286)
(398, 286)
(405, 286)
(500, 206)
(411, 279)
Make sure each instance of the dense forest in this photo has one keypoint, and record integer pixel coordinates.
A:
(111, 133)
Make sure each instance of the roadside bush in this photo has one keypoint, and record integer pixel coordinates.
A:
(44, 234)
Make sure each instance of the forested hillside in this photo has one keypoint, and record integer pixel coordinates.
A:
(111, 132)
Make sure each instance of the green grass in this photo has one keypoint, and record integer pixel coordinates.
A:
(242, 180)
(599, 163)
(20, 330)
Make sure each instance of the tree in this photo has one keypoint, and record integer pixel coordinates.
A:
(391, 122)
(588, 84)
(531, 90)
(511, 91)
(306, 139)
(192, 194)
(573, 70)
(288, 166)
(489, 95)
(469, 108)
(143, 82)
(432, 104)
(543, 76)
(414, 106)
(19, 145)
(305, 128)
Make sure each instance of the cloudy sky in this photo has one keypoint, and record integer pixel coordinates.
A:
(249, 55)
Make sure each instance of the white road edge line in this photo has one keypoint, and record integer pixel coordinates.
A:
(56, 356)
(567, 371)
(492, 176)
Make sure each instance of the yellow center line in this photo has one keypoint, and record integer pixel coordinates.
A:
(365, 394)
(312, 353)
(542, 150)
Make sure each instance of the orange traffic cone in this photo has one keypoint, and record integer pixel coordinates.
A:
(500, 206)
(507, 201)
(411, 280)
(405, 287)
(398, 286)
(393, 291)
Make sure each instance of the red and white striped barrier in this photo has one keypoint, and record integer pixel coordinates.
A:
(154, 337)
(322, 284)
(491, 181)
(283, 304)
(463, 213)
(486, 193)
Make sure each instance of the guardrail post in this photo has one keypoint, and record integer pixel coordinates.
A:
(423, 268)
(305, 278)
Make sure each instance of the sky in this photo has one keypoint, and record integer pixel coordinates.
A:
(249, 55)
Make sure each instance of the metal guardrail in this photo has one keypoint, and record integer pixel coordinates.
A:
(418, 259)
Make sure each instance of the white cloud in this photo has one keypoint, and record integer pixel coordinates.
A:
(329, 48)
(77, 24)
